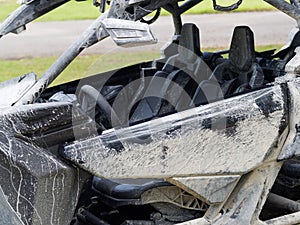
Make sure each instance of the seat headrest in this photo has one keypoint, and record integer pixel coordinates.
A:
(242, 53)
(189, 43)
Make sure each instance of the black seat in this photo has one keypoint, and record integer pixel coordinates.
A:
(165, 89)
(239, 73)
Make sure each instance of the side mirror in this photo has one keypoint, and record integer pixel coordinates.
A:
(127, 33)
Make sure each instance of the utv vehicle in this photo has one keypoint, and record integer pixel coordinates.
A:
(190, 138)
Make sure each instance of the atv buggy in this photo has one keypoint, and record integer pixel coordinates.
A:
(190, 138)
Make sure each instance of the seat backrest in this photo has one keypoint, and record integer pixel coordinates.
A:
(189, 43)
(242, 53)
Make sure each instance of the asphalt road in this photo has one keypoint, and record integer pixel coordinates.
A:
(52, 38)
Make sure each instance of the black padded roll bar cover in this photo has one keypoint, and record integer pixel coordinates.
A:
(189, 43)
(242, 52)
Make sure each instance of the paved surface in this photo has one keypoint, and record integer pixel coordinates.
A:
(52, 38)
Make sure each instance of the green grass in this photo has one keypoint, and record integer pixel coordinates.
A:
(83, 65)
(247, 6)
(85, 10)
(70, 11)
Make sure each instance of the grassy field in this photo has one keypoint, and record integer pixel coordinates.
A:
(83, 65)
(85, 10)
